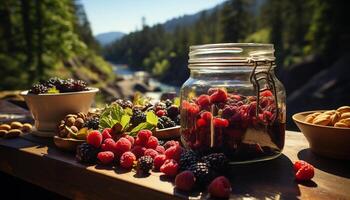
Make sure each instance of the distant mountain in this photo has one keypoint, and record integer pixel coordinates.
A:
(109, 37)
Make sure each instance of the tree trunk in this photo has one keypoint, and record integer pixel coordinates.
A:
(28, 34)
(39, 27)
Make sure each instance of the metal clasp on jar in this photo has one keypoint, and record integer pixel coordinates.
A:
(263, 75)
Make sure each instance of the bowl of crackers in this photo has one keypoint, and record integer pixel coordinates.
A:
(327, 131)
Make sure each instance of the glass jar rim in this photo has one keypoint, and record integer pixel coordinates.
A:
(233, 53)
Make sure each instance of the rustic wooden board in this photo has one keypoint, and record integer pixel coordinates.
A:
(37, 161)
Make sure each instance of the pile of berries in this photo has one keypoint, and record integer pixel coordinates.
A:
(57, 85)
(229, 117)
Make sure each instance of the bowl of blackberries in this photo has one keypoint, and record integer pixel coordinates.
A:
(51, 100)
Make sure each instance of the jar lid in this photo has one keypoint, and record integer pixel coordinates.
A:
(231, 53)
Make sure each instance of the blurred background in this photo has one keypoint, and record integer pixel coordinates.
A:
(124, 47)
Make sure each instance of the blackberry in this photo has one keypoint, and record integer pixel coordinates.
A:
(177, 120)
(54, 81)
(124, 103)
(168, 103)
(38, 89)
(165, 122)
(203, 173)
(137, 117)
(79, 85)
(173, 111)
(92, 123)
(67, 86)
(86, 153)
(188, 158)
(145, 164)
(217, 161)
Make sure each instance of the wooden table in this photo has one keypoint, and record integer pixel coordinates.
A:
(37, 161)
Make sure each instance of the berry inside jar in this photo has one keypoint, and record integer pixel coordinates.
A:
(244, 128)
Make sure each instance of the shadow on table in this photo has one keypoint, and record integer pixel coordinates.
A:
(332, 166)
(265, 180)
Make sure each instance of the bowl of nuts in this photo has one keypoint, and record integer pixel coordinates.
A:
(327, 131)
(51, 100)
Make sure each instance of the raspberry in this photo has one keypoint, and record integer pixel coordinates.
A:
(206, 116)
(130, 138)
(158, 161)
(203, 100)
(185, 181)
(151, 152)
(106, 133)
(171, 143)
(305, 173)
(122, 145)
(170, 167)
(174, 152)
(266, 93)
(201, 123)
(161, 113)
(94, 138)
(108, 145)
(140, 142)
(192, 108)
(152, 142)
(220, 122)
(127, 160)
(220, 95)
(236, 96)
(220, 187)
(160, 149)
(138, 151)
(298, 164)
(144, 135)
(105, 157)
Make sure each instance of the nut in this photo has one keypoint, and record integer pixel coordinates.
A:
(79, 122)
(309, 118)
(341, 125)
(322, 120)
(3, 132)
(343, 109)
(70, 121)
(345, 121)
(13, 133)
(16, 125)
(74, 129)
(27, 127)
(82, 115)
(5, 127)
(329, 112)
(334, 118)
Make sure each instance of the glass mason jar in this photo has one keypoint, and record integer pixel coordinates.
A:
(233, 102)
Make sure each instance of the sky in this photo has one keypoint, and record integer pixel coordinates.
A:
(125, 15)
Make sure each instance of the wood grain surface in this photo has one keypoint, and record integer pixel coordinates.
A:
(36, 160)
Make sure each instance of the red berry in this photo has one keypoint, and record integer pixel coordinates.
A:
(206, 116)
(298, 164)
(106, 133)
(94, 138)
(144, 135)
(185, 181)
(220, 187)
(152, 142)
(201, 122)
(105, 157)
(158, 161)
(192, 108)
(138, 151)
(130, 138)
(122, 145)
(161, 113)
(160, 149)
(218, 96)
(170, 167)
(140, 142)
(151, 152)
(127, 160)
(220, 122)
(170, 143)
(108, 145)
(236, 96)
(305, 173)
(174, 152)
(212, 90)
(203, 100)
(266, 93)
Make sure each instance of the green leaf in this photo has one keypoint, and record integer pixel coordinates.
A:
(128, 111)
(141, 126)
(110, 116)
(125, 121)
(117, 112)
(177, 101)
(152, 118)
(53, 90)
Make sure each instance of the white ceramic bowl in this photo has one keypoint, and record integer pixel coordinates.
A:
(49, 109)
